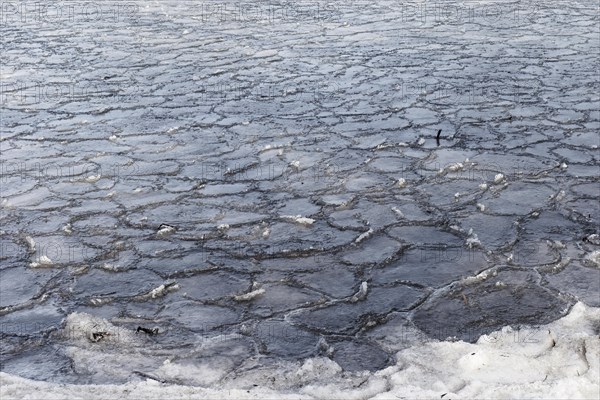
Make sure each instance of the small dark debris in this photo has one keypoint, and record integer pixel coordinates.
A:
(472, 354)
(151, 332)
(148, 376)
(98, 336)
(443, 395)
(437, 137)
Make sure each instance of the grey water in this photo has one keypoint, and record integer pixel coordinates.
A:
(161, 159)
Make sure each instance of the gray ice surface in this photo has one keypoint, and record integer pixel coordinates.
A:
(275, 167)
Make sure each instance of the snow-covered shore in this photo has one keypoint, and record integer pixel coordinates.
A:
(560, 360)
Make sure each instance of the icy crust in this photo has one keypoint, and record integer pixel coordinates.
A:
(560, 360)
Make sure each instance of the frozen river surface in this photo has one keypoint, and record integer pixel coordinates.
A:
(228, 186)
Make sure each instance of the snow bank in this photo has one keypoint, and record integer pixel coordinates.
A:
(560, 360)
(14, 387)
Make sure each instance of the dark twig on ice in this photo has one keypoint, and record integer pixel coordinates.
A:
(151, 332)
(437, 137)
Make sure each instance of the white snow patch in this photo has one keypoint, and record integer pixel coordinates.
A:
(384, 146)
(456, 228)
(561, 264)
(499, 178)
(482, 276)
(165, 230)
(79, 328)
(205, 374)
(109, 267)
(250, 295)
(67, 229)
(472, 240)
(398, 212)
(163, 289)
(594, 258)
(361, 294)
(98, 301)
(452, 167)
(594, 239)
(364, 236)
(43, 261)
(299, 219)
(93, 178)
(315, 368)
(30, 243)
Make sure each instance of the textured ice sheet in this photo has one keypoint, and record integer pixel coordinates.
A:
(278, 184)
